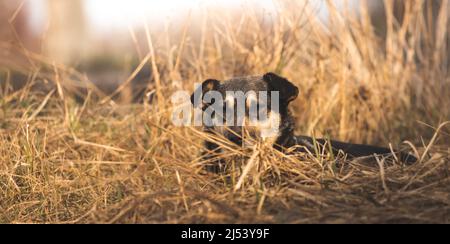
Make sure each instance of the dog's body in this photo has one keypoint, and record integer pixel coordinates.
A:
(284, 137)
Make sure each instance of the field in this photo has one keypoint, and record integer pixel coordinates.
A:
(70, 153)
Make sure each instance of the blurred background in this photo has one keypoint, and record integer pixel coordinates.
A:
(388, 55)
(77, 31)
(109, 32)
(104, 39)
(86, 132)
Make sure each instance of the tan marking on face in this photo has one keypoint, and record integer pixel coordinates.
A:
(267, 130)
(251, 99)
(229, 99)
(210, 86)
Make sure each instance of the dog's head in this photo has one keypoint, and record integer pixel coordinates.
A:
(254, 107)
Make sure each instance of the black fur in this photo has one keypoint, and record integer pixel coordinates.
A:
(286, 138)
(352, 150)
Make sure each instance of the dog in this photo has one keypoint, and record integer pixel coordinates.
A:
(278, 125)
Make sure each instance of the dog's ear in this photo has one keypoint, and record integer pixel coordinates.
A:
(207, 85)
(288, 91)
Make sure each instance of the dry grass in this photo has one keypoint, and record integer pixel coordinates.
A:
(66, 161)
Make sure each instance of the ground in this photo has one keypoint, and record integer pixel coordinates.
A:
(66, 162)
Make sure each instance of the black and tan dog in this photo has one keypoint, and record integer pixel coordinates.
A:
(284, 137)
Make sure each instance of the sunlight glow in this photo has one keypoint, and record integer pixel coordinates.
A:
(106, 15)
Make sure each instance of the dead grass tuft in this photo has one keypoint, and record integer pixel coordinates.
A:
(71, 154)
